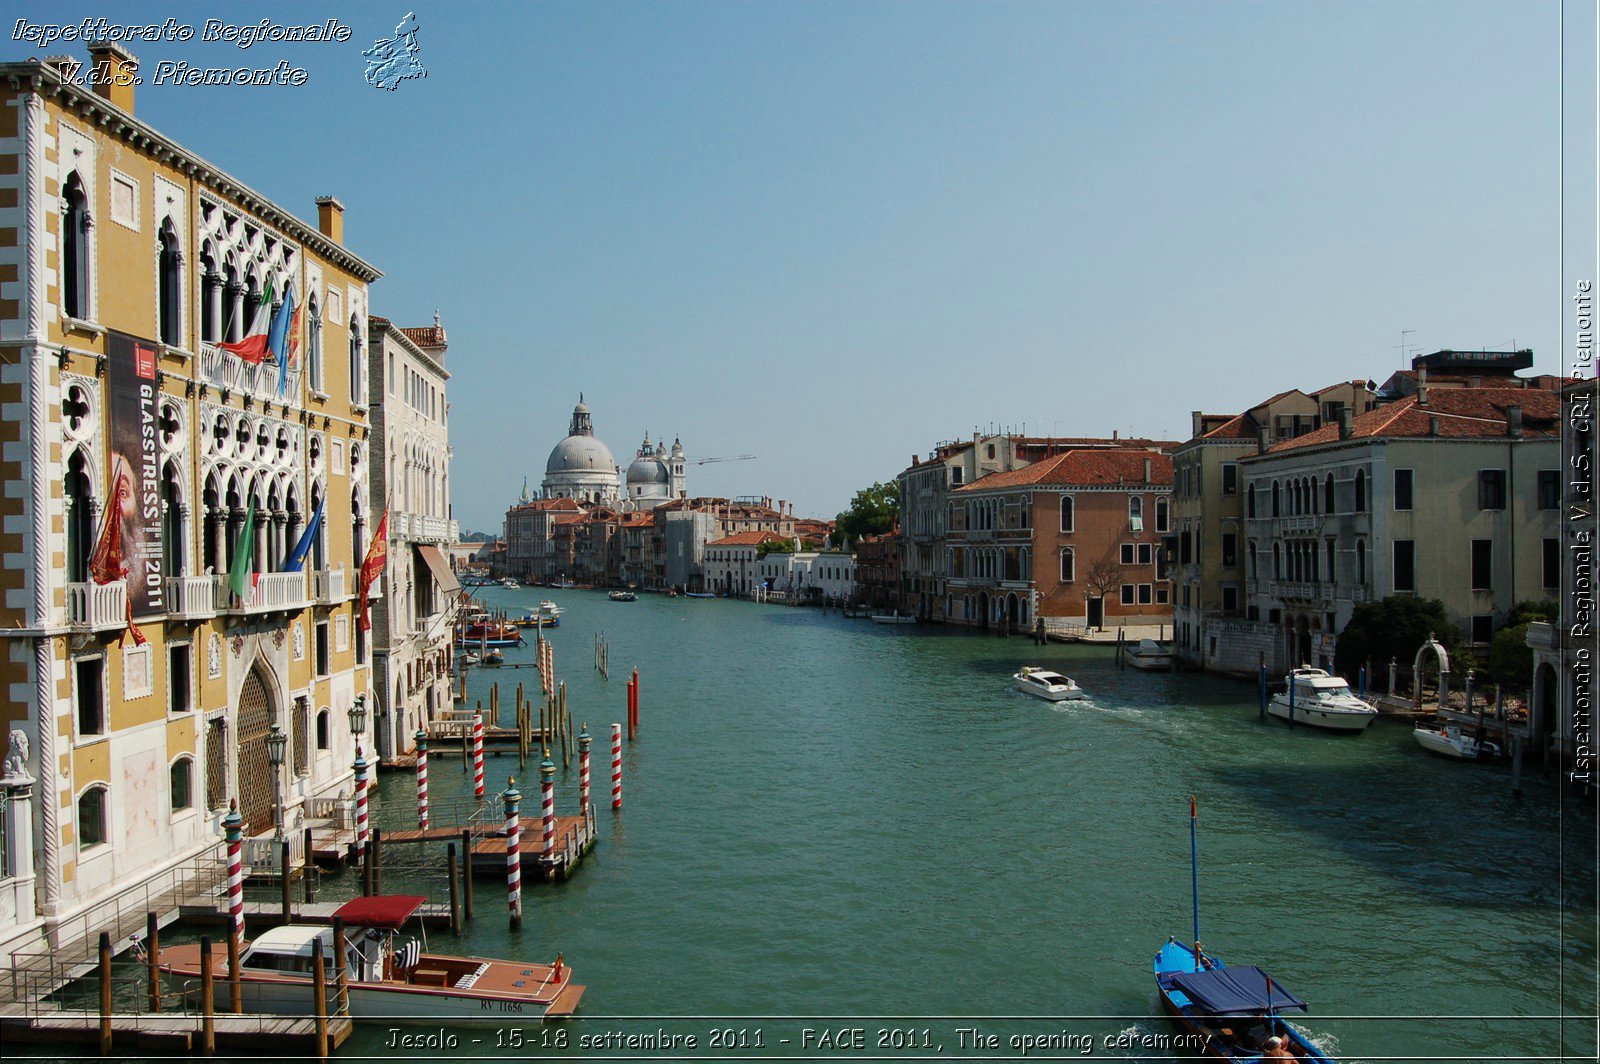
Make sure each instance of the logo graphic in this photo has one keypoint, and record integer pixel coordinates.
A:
(393, 61)
(144, 363)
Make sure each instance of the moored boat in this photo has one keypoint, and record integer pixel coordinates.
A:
(1149, 654)
(622, 596)
(892, 618)
(389, 982)
(1448, 740)
(1312, 696)
(698, 594)
(1050, 686)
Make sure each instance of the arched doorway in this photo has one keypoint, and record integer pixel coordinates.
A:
(983, 610)
(1013, 610)
(1303, 646)
(255, 771)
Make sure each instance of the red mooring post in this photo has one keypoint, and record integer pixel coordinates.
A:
(616, 766)
(513, 800)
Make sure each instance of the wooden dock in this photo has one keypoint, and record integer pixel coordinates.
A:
(450, 735)
(270, 913)
(171, 1032)
(574, 837)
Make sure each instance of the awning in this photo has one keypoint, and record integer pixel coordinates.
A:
(1241, 991)
(441, 569)
(380, 910)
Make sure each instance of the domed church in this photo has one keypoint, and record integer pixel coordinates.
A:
(656, 476)
(581, 467)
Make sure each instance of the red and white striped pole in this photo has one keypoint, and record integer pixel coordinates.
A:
(234, 824)
(422, 779)
(477, 756)
(361, 803)
(547, 788)
(616, 766)
(583, 772)
(514, 852)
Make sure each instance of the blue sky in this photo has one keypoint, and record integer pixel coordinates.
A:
(833, 234)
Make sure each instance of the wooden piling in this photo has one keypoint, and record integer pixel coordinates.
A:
(466, 871)
(105, 993)
(455, 889)
(235, 978)
(288, 884)
(319, 991)
(341, 969)
(208, 1023)
(307, 891)
(1262, 715)
(152, 950)
(1516, 766)
(377, 861)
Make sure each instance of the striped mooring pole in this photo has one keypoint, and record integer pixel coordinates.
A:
(422, 779)
(547, 798)
(514, 852)
(234, 824)
(361, 803)
(616, 766)
(583, 772)
(477, 756)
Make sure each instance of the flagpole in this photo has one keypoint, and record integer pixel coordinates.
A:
(1194, 874)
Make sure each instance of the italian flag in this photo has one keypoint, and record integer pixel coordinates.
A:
(242, 575)
(253, 348)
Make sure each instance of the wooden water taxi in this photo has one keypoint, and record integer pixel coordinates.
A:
(389, 981)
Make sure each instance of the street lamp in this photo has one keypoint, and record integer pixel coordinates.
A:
(276, 741)
(358, 715)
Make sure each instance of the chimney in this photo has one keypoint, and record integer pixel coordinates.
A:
(1113, 434)
(1147, 470)
(1433, 425)
(1422, 385)
(115, 72)
(330, 218)
(1514, 421)
(1263, 441)
(1196, 419)
(1347, 423)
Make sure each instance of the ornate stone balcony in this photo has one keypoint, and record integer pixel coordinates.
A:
(97, 607)
(191, 597)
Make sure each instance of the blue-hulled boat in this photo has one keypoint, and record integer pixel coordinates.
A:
(1230, 1013)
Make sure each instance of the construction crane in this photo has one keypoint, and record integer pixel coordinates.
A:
(724, 458)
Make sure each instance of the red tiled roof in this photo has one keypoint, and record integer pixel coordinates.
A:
(1340, 384)
(1463, 413)
(746, 539)
(548, 504)
(425, 335)
(1089, 467)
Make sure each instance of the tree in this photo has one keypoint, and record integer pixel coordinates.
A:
(872, 512)
(1510, 659)
(1396, 627)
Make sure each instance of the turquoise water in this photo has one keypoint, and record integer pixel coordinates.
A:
(831, 825)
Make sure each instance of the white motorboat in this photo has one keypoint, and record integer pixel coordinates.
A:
(1050, 686)
(548, 608)
(893, 618)
(388, 982)
(1448, 740)
(1322, 701)
(510, 583)
(1149, 654)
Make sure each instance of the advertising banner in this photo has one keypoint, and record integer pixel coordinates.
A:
(131, 411)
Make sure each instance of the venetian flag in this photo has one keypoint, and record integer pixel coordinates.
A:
(372, 568)
(107, 564)
(296, 561)
(242, 575)
(253, 348)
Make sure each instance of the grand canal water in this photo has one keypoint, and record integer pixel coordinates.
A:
(831, 825)
(825, 818)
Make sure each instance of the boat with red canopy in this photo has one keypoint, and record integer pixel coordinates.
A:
(390, 979)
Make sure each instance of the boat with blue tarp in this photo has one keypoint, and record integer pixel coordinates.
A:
(1231, 1013)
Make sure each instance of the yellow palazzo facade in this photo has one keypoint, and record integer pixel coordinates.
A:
(124, 260)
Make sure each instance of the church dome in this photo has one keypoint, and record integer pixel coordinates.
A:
(646, 471)
(580, 454)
